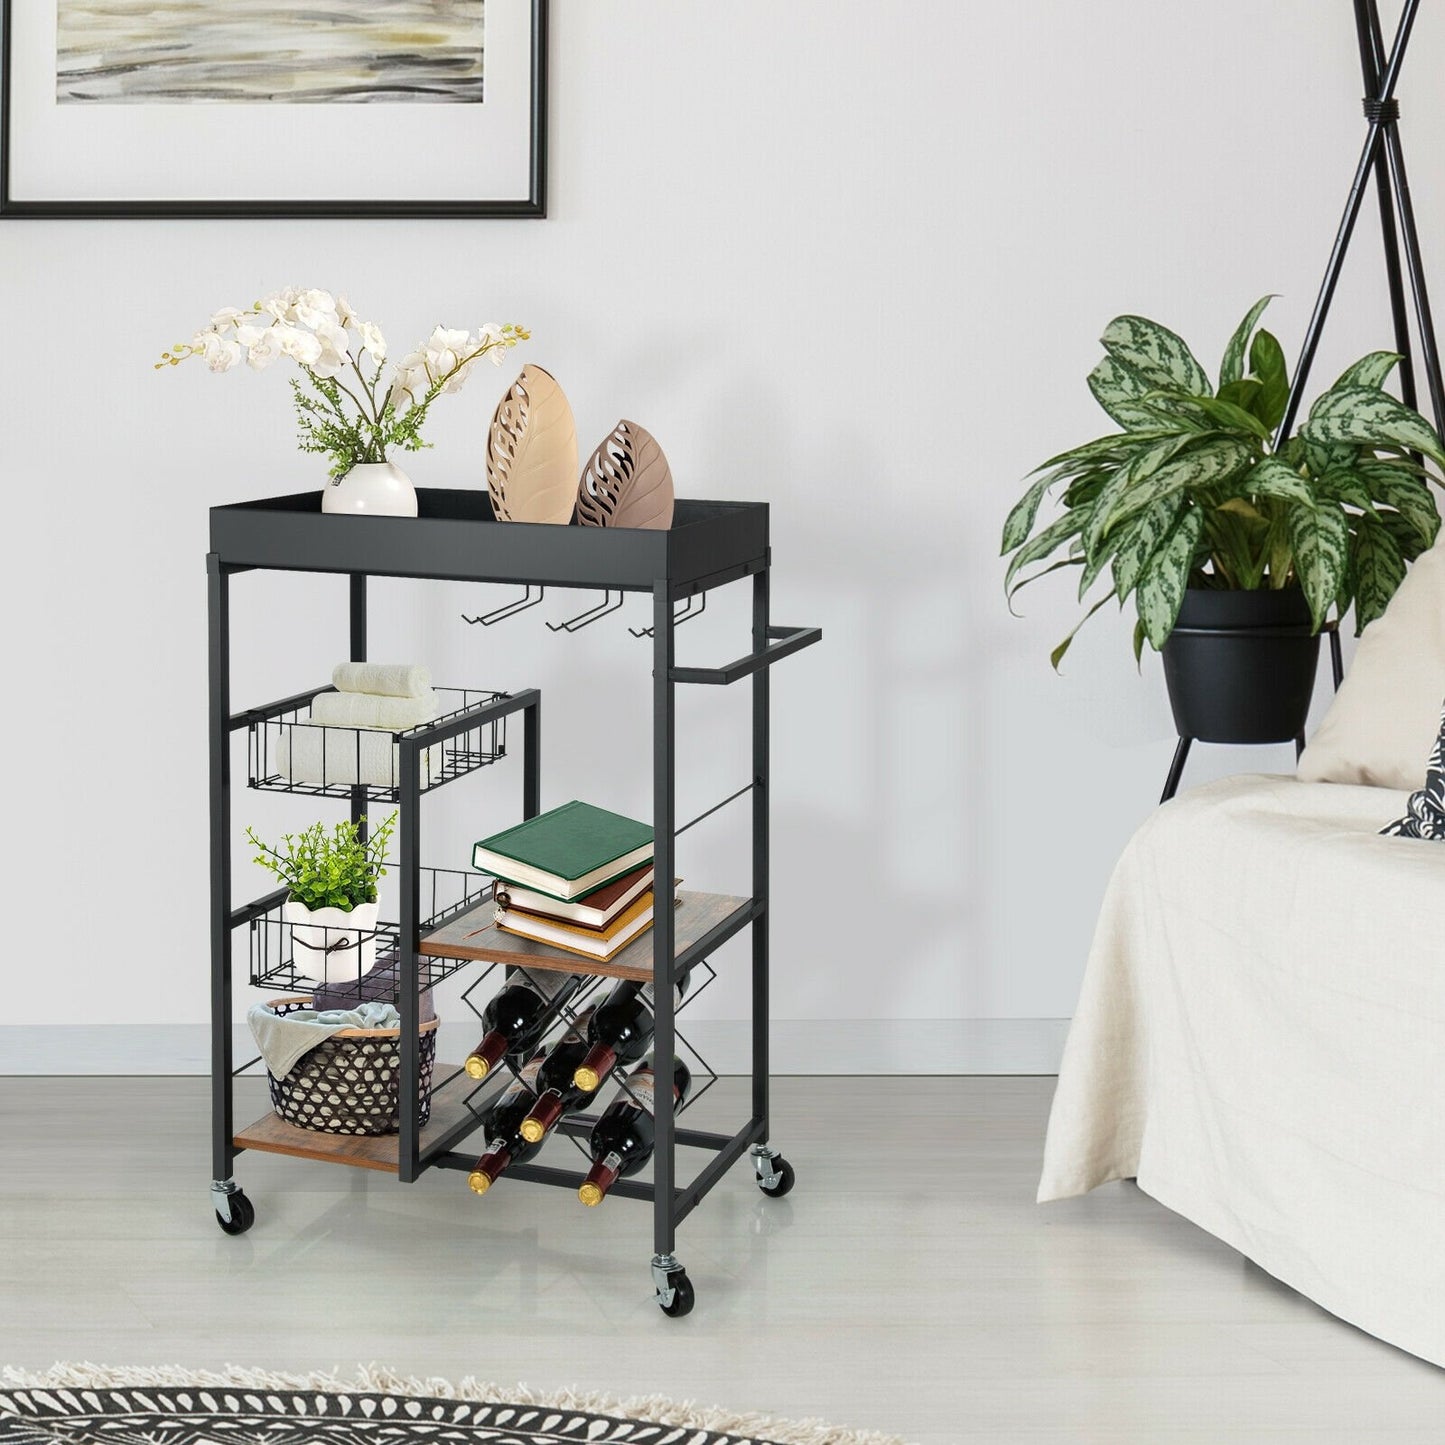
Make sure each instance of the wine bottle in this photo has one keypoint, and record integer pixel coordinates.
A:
(557, 1092)
(622, 1140)
(500, 1122)
(515, 1018)
(621, 1030)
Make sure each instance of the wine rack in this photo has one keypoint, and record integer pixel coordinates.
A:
(442, 923)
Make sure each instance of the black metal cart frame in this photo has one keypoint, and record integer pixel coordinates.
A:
(454, 537)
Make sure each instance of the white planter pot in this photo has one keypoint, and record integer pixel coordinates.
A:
(373, 489)
(329, 945)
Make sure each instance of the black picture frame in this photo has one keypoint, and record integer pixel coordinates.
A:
(531, 206)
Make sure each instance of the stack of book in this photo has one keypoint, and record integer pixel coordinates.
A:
(578, 878)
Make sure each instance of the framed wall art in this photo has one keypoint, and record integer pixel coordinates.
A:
(332, 108)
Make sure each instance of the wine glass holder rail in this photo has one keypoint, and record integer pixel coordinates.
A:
(443, 921)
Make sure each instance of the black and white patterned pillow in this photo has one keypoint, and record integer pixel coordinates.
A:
(1426, 815)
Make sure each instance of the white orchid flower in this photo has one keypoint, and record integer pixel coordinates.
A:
(298, 344)
(316, 309)
(373, 341)
(345, 315)
(225, 319)
(335, 355)
(263, 350)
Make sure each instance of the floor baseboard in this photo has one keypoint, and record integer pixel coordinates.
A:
(812, 1046)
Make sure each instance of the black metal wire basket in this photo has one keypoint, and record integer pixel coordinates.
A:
(350, 1083)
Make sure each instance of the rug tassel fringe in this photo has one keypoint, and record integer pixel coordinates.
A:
(654, 1409)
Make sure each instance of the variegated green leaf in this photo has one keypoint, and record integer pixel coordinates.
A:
(1057, 655)
(1139, 636)
(1407, 494)
(1407, 539)
(1231, 369)
(1156, 353)
(1145, 463)
(1378, 570)
(1139, 540)
(1094, 565)
(1161, 588)
(1021, 519)
(1344, 485)
(1210, 411)
(1322, 457)
(1209, 464)
(1368, 417)
(1321, 537)
(1372, 370)
(1055, 534)
(1266, 361)
(1273, 478)
(1117, 446)
(1117, 388)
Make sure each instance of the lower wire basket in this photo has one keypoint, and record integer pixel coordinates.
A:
(351, 1082)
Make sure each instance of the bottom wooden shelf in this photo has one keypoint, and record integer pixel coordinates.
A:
(273, 1135)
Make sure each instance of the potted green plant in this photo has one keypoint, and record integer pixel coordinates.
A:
(1234, 545)
(330, 876)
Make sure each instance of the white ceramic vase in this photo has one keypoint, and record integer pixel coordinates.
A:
(371, 489)
(331, 946)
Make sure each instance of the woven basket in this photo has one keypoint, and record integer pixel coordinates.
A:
(349, 1084)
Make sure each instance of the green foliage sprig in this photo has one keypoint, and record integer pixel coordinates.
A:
(1194, 491)
(328, 868)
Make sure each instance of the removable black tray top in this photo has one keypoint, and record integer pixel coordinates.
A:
(456, 537)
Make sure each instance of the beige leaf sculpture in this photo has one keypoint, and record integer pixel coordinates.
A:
(532, 451)
(626, 482)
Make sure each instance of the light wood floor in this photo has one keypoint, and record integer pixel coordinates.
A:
(908, 1284)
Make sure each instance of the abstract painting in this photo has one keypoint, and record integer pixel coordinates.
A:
(294, 108)
(359, 51)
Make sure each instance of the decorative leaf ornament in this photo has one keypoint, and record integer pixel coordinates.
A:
(532, 451)
(626, 482)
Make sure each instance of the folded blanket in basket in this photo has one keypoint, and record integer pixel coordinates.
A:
(394, 679)
(285, 1038)
(331, 755)
(374, 710)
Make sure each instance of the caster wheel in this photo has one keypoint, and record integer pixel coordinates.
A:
(243, 1215)
(683, 1298)
(782, 1180)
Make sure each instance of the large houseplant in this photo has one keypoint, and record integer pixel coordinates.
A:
(1215, 528)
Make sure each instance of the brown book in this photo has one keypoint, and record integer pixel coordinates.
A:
(594, 910)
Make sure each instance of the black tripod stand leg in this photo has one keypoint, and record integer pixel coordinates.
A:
(1337, 661)
(1176, 769)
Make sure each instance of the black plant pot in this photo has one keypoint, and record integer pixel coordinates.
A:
(1241, 666)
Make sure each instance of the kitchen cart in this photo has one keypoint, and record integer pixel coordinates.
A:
(439, 928)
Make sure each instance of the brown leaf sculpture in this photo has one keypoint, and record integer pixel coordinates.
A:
(532, 451)
(626, 482)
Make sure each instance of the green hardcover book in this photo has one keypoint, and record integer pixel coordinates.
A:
(567, 852)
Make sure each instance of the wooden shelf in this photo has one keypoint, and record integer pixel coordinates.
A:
(273, 1135)
(473, 935)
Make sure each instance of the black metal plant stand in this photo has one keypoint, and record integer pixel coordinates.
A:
(710, 545)
(1383, 156)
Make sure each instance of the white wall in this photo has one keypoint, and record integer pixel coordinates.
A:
(847, 258)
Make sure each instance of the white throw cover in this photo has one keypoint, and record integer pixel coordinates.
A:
(1261, 1042)
(1380, 727)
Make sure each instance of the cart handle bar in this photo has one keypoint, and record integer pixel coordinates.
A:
(785, 641)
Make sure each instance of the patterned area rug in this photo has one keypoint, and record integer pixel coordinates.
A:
(90, 1405)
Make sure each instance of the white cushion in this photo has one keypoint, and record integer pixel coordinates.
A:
(1380, 728)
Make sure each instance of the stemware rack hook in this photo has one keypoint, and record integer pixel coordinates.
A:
(510, 609)
(586, 619)
(678, 618)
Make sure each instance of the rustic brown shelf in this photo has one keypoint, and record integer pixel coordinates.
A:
(473, 935)
(271, 1134)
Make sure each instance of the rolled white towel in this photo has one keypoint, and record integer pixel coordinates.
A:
(393, 679)
(373, 710)
(328, 756)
